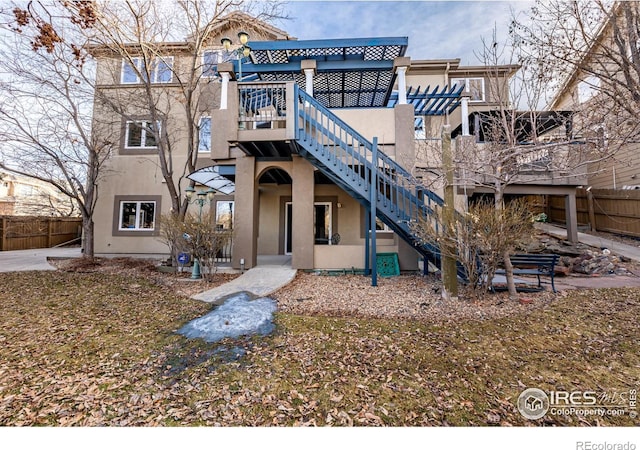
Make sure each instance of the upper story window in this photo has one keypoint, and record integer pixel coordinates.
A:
(587, 88)
(26, 190)
(160, 72)
(210, 60)
(473, 86)
(418, 128)
(141, 134)
(204, 134)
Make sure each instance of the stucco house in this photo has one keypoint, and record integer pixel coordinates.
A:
(608, 69)
(308, 145)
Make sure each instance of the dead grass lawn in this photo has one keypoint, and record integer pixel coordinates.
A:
(100, 349)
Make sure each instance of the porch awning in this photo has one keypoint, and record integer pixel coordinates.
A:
(349, 73)
(431, 102)
(218, 178)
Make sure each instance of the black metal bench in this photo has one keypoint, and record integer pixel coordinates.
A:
(538, 265)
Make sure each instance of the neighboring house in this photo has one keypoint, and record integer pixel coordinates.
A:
(586, 90)
(289, 149)
(25, 196)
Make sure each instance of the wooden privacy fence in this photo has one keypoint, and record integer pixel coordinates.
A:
(26, 232)
(612, 210)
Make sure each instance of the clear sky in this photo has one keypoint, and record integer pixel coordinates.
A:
(436, 29)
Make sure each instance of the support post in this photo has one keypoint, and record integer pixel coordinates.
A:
(49, 231)
(367, 236)
(302, 195)
(571, 217)
(402, 85)
(309, 68)
(247, 211)
(464, 112)
(4, 232)
(374, 208)
(449, 270)
(400, 65)
(224, 90)
(308, 81)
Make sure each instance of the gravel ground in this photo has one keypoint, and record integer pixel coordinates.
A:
(412, 297)
(404, 297)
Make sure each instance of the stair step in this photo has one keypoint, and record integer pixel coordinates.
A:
(329, 159)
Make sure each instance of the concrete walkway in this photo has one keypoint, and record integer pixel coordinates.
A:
(618, 248)
(36, 259)
(271, 273)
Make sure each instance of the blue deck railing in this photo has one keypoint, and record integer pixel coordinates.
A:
(349, 159)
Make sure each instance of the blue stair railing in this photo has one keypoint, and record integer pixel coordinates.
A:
(346, 157)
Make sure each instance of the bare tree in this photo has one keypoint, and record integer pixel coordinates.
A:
(592, 44)
(479, 238)
(513, 143)
(137, 33)
(67, 152)
(45, 116)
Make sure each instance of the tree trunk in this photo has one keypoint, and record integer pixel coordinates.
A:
(87, 237)
(508, 267)
(449, 268)
(508, 270)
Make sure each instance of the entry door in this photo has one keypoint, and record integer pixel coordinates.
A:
(321, 225)
(288, 227)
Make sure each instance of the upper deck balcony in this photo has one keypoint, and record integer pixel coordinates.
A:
(542, 150)
(362, 81)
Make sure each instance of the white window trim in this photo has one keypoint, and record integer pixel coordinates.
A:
(138, 211)
(143, 137)
(137, 63)
(286, 219)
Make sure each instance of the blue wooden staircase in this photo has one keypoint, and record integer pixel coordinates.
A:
(348, 159)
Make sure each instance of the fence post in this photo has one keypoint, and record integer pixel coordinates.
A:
(49, 231)
(3, 243)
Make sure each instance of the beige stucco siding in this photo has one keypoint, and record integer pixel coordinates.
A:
(623, 169)
(370, 122)
(122, 182)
